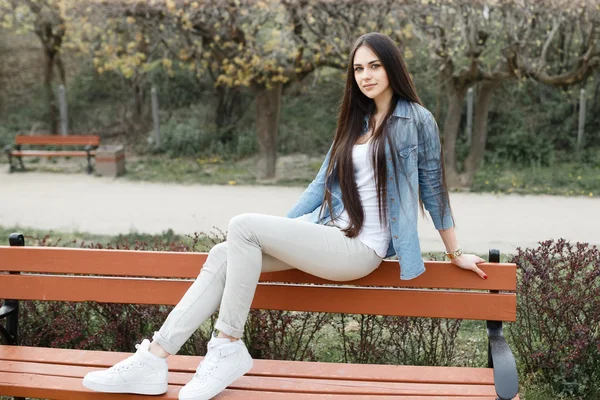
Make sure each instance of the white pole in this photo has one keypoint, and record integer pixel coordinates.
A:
(469, 116)
(155, 117)
(581, 129)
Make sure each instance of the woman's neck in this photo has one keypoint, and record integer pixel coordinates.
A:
(382, 104)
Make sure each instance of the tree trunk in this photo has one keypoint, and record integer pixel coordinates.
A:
(268, 105)
(456, 99)
(52, 108)
(61, 70)
(482, 107)
(229, 111)
(438, 98)
(138, 95)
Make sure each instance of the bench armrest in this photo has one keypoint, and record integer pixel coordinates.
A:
(500, 358)
(8, 148)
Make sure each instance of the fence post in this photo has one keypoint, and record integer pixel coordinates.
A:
(581, 128)
(155, 119)
(469, 116)
(62, 104)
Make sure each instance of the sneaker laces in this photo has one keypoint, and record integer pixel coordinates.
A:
(127, 363)
(208, 365)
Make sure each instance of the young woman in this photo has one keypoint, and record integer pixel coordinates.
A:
(385, 161)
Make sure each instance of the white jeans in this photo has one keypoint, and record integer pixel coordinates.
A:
(260, 243)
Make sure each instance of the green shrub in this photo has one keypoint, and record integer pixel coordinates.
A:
(556, 335)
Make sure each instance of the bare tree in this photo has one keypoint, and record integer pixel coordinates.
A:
(467, 46)
(44, 18)
(553, 42)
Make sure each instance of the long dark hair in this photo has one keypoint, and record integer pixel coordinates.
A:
(354, 108)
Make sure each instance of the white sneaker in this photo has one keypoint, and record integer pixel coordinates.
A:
(142, 373)
(224, 363)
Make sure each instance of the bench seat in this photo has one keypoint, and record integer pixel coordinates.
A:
(145, 277)
(61, 146)
(49, 153)
(57, 371)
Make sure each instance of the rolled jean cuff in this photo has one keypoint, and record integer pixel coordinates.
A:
(228, 329)
(165, 344)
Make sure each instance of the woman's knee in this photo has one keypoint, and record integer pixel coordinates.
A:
(241, 223)
(217, 258)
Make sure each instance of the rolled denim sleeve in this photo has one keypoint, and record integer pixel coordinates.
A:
(433, 193)
(314, 193)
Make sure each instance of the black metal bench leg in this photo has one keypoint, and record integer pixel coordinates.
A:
(11, 167)
(90, 169)
(21, 163)
(18, 147)
(11, 307)
(8, 151)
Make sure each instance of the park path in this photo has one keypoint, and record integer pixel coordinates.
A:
(81, 203)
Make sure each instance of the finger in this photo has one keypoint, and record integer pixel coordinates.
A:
(479, 272)
(480, 260)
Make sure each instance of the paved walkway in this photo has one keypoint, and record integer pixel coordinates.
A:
(107, 206)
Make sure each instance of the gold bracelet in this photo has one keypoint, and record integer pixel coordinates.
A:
(455, 254)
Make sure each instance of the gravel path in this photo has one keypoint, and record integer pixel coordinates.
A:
(73, 202)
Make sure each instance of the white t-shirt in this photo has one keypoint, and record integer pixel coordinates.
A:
(373, 233)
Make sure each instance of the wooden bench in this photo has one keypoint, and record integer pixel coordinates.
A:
(138, 277)
(89, 144)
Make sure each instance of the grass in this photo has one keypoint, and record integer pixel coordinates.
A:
(297, 170)
(292, 170)
(564, 180)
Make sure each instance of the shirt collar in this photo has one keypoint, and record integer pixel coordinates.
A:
(402, 110)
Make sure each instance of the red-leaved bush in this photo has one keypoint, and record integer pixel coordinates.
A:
(557, 333)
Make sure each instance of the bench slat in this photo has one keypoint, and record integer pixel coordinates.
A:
(280, 384)
(55, 387)
(39, 153)
(291, 369)
(188, 265)
(379, 301)
(74, 140)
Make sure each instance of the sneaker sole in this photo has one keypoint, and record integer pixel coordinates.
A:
(233, 376)
(135, 388)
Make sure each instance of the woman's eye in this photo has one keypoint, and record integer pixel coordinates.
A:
(375, 66)
(358, 69)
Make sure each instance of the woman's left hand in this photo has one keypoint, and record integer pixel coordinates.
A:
(469, 262)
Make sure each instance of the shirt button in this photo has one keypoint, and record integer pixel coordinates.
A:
(394, 219)
(391, 179)
(395, 237)
(392, 199)
(390, 159)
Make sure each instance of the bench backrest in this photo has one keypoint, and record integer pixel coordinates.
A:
(48, 140)
(137, 277)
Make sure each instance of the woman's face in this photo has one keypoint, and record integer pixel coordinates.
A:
(370, 74)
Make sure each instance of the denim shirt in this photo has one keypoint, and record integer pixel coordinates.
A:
(419, 173)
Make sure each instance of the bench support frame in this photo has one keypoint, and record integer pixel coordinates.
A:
(10, 308)
(88, 150)
(12, 167)
(8, 150)
(500, 357)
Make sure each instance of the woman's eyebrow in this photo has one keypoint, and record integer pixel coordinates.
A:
(369, 63)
